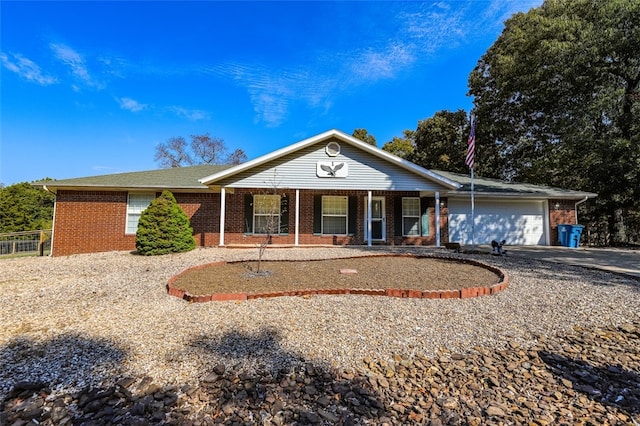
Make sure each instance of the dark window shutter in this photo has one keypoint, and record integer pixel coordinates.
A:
(284, 215)
(397, 216)
(317, 214)
(353, 215)
(248, 213)
(424, 217)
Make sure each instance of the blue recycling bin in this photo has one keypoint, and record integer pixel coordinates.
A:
(574, 235)
(563, 234)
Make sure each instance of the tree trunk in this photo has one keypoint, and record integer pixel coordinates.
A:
(617, 227)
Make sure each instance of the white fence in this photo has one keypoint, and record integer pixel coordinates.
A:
(25, 243)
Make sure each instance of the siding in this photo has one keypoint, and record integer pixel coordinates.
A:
(298, 170)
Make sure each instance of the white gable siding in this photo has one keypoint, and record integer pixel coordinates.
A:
(298, 170)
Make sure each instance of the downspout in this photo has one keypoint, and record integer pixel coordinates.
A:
(53, 225)
(575, 208)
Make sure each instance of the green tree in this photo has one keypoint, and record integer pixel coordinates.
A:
(164, 228)
(25, 208)
(401, 147)
(365, 136)
(557, 100)
(441, 141)
(203, 149)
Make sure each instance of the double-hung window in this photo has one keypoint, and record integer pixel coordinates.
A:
(411, 216)
(266, 214)
(136, 204)
(335, 217)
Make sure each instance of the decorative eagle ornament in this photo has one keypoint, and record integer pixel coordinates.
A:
(331, 170)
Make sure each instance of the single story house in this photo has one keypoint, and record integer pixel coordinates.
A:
(328, 189)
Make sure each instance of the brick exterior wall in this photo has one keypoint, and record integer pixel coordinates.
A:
(90, 221)
(565, 214)
(95, 221)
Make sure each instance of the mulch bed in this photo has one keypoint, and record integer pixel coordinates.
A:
(376, 272)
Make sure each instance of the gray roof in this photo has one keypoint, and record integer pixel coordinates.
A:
(175, 179)
(494, 187)
(186, 179)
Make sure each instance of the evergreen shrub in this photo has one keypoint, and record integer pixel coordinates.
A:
(164, 228)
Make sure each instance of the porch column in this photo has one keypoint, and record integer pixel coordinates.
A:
(223, 207)
(369, 206)
(437, 219)
(296, 238)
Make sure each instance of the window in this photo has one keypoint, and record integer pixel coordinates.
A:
(266, 214)
(136, 204)
(335, 215)
(411, 216)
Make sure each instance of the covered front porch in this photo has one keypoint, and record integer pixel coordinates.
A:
(295, 217)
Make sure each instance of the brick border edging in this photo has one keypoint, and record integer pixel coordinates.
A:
(463, 293)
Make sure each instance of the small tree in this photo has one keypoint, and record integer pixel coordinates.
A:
(270, 219)
(164, 228)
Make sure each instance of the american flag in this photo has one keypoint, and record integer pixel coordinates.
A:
(471, 145)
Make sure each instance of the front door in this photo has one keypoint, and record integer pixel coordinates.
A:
(378, 219)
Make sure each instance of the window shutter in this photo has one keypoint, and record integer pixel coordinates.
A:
(397, 216)
(317, 214)
(353, 215)
(424, 219)
(248, 213)
(284, 214)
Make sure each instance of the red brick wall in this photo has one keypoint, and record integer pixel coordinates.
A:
(90, 221)
(565, 214)
(95, 221)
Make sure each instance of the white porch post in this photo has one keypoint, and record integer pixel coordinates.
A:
(369, 206)
(223, 207)
(437, 219)
(296, 238)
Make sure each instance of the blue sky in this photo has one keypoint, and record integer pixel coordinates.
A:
(90, 88)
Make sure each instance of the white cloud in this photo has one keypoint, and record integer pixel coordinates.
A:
(26, 69)
(418, 32)
(189, 114)
(75, 62)
(371, 65)
(131, 104)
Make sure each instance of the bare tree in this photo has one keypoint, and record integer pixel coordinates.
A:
(207, 149)
(203, 149)
(236, 157)
(173, 153)
(269, 207)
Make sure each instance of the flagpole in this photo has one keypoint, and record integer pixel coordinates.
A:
(470, 161)
(473, 220)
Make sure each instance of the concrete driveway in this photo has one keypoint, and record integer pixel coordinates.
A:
(621, 261)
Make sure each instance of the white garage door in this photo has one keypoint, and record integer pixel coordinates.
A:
(518, 222)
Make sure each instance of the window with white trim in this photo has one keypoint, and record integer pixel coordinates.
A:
(411, 217)
(136, 204)
(266, 214)
(335, 215)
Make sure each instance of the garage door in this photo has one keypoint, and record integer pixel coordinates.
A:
(518, 222)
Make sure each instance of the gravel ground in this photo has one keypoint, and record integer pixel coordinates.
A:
(86, 320)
